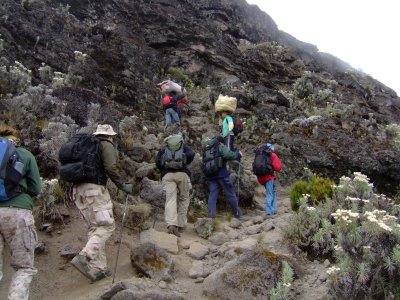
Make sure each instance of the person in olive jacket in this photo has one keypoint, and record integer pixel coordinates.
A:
(94, 202)
(17, 226)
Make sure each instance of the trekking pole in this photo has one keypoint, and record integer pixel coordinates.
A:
(238, 179)
(120, 238)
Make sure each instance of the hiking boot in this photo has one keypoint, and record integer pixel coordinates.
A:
(80, 263)
(101, 275)
(172, 229)
(181, 229)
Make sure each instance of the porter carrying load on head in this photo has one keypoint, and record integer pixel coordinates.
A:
(231, 126)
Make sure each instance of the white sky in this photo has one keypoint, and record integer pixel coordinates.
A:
(365, 34)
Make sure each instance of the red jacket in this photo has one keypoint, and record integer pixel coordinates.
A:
(276, 165)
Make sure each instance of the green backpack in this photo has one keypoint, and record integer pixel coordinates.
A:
(173, 156)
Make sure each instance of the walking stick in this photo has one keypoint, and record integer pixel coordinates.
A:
(238, 179)
(120, 238)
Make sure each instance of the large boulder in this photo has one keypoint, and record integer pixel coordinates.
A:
(251, 276)
(152, 261)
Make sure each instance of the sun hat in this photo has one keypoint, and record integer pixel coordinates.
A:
(104, 129)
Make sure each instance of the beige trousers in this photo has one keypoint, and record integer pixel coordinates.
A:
(176, 187)
(95, 204)
(17, 229)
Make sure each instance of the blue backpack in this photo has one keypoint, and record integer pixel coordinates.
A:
(11, 170)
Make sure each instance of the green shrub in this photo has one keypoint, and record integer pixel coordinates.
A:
(320, 189)
(178, 75)
(317, 189)
(359, 231)
(303, 86)
(297, 191)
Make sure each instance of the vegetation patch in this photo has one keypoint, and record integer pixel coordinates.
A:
(359, 231)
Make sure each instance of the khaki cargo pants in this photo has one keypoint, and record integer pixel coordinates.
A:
(95, 204)
(17, 229)
(176, 187)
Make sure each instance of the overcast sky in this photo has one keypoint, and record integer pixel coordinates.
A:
(365, 34)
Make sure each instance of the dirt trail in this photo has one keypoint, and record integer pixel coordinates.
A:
(57, 279)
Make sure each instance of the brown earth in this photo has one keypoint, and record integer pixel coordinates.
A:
(57, 279)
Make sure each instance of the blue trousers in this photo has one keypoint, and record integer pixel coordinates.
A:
(270, 197)
(171, 116)
(214, 187)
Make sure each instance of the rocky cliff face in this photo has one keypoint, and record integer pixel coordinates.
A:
(321, 113)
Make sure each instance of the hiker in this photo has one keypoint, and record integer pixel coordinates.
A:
(169, 103)
(173, 97)
(227, 129)
(94, 202)
(225, 106)
(265, 164)
(215, 157)
(172, 160)
(17, 228)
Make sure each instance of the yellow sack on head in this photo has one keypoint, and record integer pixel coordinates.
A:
(225, 103)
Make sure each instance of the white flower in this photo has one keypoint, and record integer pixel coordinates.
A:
(384, 226)
(310, 208)
(338, 248)
(332, 270)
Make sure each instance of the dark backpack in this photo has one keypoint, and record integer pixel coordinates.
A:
(11, 170)
(80, 160)
(237, 125)
(262, 162)
(212, 158)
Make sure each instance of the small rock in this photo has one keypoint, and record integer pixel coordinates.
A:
(69, 251)
(185, 244)
(218, 238)
(41, 248)
(258, 220)
(247, 223)
(197, 251)
(268, 227)
(199, 280)
(323, 278)
(162, 284)
(327, 263)
(45, 226)
(254, 229)
(235, 223)
(233, 235)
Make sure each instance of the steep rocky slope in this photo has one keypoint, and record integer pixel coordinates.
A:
(99, 61)
(333, 119)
